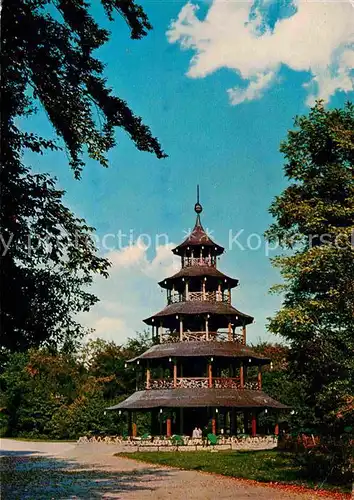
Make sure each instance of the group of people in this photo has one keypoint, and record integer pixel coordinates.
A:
(197, 432)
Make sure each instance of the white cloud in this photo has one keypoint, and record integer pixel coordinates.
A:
(255, 89)
(131, 292)
(318, 37)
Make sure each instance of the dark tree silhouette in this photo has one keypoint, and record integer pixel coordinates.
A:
(48, 257)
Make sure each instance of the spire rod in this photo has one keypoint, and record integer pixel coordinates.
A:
(197, 207)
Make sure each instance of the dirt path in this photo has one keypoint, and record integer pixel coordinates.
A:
(66, 470)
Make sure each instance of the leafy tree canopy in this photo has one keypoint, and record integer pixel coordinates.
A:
(314, 222)
(47, 56)
(48, 258)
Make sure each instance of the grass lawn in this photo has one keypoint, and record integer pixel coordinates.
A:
(264, 466)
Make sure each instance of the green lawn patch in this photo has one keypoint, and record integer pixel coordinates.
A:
(263, 466)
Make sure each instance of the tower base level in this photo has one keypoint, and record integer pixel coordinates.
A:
(216, 411)
(183, 421)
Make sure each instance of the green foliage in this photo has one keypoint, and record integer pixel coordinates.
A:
(58, 395)
(48, 256)
(314, 222)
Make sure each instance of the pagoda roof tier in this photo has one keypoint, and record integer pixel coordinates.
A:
(192, 308)
(199, 271)
(194, 398)
(198, 238)
(202, 349)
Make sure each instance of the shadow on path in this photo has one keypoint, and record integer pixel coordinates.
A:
(35, 477)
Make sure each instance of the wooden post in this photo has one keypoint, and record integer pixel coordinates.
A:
(229, 336)
(187, 291)
(203, 289)
(181, 329)
(206, 329)
(213, 425)
(210, 375)
(244, 334)
(276, 429)
(168, 426)
(134, 427)
(218, 298)
(242, 380)
(254, 425)
(260, 377)
(148, 377)
(160, 332)
(175, 374)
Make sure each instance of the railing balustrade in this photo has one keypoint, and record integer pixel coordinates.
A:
(201, 383)
(201, 336)
(161, 383)
(227, 382)
(199, 261)
(192, 382)
(214, 296)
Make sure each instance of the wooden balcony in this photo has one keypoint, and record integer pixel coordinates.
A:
(201, 383)
(214, 296)
(199, 261)
(202, 336)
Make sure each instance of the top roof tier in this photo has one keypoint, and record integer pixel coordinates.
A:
(198, 241)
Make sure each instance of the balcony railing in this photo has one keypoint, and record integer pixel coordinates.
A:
(201, 383)
(199, 261)
(227, 383)
(202, 336)
(193, 383)
(214, 296)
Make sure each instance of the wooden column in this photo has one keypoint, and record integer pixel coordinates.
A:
(187, 291)
(260, 377)
(254, 425)
(276, 429)
(242, 379)
(244, 334)
(168, 426)
(213, 424)
(219, 293)
(181, 329)
(134, 427)
(160, 332)
(206, 329)
(203, 289)
(175, 374)
(229, 334)
(148, 377)
(210, 374)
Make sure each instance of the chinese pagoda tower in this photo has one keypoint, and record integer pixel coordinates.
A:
(199, 370)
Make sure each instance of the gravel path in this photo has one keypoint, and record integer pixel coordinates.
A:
(68, 471)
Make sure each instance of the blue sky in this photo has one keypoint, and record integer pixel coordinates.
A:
(220, 96)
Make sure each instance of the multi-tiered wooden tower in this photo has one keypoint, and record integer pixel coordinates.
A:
(200, 370)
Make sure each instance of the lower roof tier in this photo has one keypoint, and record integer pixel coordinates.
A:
(195, 349)
(194, 398)
(193, 308)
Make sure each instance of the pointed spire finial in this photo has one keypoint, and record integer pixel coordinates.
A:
(197, 207)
